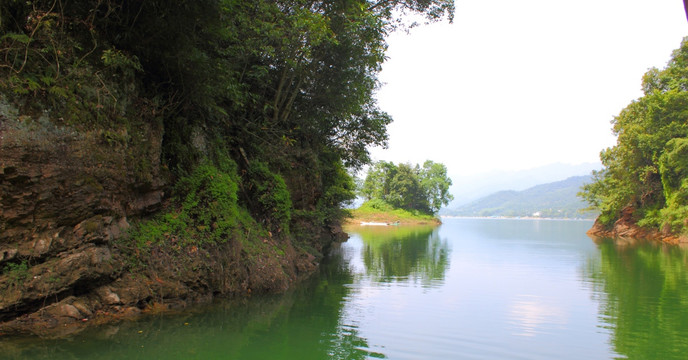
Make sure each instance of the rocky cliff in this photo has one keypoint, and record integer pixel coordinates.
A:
(67, 200)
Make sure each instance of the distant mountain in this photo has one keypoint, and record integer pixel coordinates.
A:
(473, 187)
(554, 200)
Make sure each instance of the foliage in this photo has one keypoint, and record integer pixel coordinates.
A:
(265, 83)
(16, 272)
(272, 195)
(206, 211)
(340, 189)
(425, 189)
(436, 184)
(673, 166)
(646, 169)
(264, 72)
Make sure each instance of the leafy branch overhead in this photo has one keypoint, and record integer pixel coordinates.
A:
(299, 70)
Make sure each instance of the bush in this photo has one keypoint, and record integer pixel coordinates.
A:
(273, 196)
(207, 211)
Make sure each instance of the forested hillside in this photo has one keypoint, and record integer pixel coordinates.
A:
(645, 175)
(553, 200)
(180, 149)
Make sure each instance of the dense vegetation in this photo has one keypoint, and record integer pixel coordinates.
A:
(404, 186)
(265, 105)
(553, 200)
(647, 171)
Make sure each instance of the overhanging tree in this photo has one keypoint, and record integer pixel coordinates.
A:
(289, 83)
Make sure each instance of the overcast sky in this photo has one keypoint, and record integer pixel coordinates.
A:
(515, 85)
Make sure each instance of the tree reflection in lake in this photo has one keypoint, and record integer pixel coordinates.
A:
(413, 253)
(644, 297)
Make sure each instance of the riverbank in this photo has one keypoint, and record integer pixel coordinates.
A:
(627, 228)
(368, 214)
(514, 218)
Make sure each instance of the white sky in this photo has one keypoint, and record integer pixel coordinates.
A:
(515, 85)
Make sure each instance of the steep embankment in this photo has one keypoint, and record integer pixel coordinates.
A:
(68, 200)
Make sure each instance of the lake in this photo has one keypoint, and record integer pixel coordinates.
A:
(469, 289)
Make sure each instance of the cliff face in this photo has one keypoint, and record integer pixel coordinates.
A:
(165, 152)
(626, 227)
(67, 199)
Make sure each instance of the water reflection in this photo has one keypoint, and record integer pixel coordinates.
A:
(413, 253)
(531, 313)
(487, 289)
(643, 290)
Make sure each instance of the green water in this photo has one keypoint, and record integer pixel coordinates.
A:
(470, 289)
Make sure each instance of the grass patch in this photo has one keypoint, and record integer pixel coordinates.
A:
(16, 273)
(380, 211)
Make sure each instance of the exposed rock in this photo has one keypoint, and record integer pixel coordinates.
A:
(65, 198)
(66, 310)
(627, 228)
(107, 296)
(66, 202)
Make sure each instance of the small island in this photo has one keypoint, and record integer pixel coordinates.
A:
(402, 194)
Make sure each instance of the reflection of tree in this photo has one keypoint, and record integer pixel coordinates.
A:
(305, 323)
(405, 252)
(646, 302)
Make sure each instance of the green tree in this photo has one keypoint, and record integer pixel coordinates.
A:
(436, 183)
(408, 186)
(643, 172)
(377, 181)
(406, 191)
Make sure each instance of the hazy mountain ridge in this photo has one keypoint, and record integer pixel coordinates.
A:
(555, 200)
(473, 187)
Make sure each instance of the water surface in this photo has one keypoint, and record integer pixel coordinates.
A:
(469, 289)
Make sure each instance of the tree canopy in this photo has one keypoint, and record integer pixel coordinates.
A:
(288, 84)
(407, 186)
(647, 171)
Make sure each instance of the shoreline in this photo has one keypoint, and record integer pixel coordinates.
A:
(389, 219)
(513, 218)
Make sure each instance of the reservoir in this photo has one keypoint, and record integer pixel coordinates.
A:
(468, 289)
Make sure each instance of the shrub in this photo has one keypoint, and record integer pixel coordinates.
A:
(207, 211)
(272, 194)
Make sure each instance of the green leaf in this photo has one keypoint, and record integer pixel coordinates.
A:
(22, 38)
